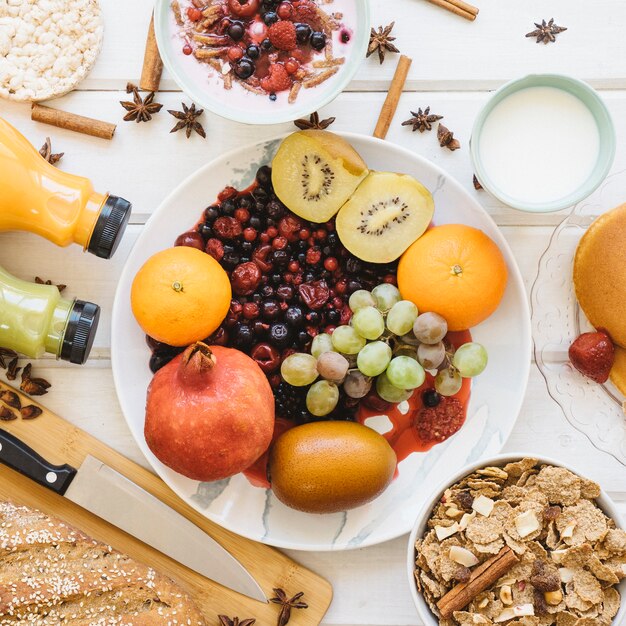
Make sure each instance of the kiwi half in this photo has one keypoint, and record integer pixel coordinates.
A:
(384, 216)
(314, 172)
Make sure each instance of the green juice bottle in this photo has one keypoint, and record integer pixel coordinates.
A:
(35, 319)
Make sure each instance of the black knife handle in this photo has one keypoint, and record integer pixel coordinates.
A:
(15, 454)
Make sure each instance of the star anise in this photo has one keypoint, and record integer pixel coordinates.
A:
(477, 184)
(33, 386)
(140, 109)
(380, 41)
(546, 32)
(446, 138)
(5, 354)
(30, 412)
(6, 415)
(46, 153)
(10, 398)
(41, 281)
(188, 120)
(314, 122)
(287, 604)
(235, 621)
(13, 369)
(422, 120)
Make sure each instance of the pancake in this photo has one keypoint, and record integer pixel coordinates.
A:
(600, 274)
(618, 371)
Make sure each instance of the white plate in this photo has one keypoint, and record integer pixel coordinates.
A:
(255, 513)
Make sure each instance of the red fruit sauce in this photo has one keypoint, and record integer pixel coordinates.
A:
(403, 437)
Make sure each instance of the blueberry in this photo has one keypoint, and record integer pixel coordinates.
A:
(280, 257)
(270, 310)
(270, 18)
(266, 44)
(294, 317)
(253, 51)
(236, 31)
(318, 41)
(211, 213)
(303, 32)
(303, 338)
(242, 336)
(205, 231)
(246, 246)
(255, 222)
(245, 202)
(227, 208)
(275, 209)
(245, 68)
(273, 97)
(281, 335)
(332, 239)
(264, 176)
(431, 398)
(333, 316)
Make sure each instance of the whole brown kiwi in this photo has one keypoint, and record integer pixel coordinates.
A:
(325, 467)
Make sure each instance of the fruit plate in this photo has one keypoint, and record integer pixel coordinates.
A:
(593, 409)
(254, 512)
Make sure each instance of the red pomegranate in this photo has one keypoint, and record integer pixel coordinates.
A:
(209, 413)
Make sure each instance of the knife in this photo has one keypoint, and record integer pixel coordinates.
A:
(111, 496)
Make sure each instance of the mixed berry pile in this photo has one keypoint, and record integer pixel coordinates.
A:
(266, 43)
(291, 280)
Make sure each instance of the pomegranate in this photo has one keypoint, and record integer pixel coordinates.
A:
(209, 413)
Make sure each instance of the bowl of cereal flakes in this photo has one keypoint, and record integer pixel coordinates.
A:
(262, 61)
(518, 541)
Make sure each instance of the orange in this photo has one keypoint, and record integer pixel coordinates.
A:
(180, 295)
(456, 271)
(618, 371)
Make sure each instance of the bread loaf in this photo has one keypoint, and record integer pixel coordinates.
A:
(52, 573)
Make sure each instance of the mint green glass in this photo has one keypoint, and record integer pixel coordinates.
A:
(590, 98)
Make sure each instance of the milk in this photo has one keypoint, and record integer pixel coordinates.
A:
(539, 145)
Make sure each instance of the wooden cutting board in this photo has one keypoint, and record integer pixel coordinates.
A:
(59, 442)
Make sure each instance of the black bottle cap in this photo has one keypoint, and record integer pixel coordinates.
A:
(80, 332)
(109, 227)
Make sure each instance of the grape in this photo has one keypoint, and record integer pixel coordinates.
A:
(410, 339)
(470, 359)
(431, 355)
(346, 339)
(374, 358)
(389, 392)
(448, 381)
(405, 373)
(332, 366)
(361, 298)
(401, 317)
(430, 328)
(299, 369)
(321, 343)
(368, 322)
(386, 296)
(322, 398)
(356, 385)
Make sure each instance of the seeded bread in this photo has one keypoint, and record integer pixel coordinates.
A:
(52, 573)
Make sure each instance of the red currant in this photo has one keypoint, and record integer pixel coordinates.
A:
(331, 264)
(292, 66)
(187, 49)
(249, 234)
(195, 15)
(272, 231)
(242, 215)
(285, 10)
(234, 53)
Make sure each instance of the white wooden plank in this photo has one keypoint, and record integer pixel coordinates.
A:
(449, 52)
(144, 162)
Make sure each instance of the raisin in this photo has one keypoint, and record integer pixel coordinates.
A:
(246, 278)
(314, 294)
(227, 227)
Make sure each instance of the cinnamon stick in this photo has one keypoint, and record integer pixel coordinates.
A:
(393, 97)
(482, 578)
(152, 64)
(72, 121)
(458, 7)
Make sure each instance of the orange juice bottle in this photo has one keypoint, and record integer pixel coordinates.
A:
(39, 198)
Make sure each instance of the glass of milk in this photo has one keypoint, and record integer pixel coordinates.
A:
(543, 143)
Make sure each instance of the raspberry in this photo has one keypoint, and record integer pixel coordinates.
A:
(278, 79)
(307, 13)
(283, 35)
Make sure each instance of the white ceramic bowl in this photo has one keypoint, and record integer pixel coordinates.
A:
(249, 108)
(604, 502)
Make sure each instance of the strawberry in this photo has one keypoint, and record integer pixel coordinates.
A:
(592, 354)
(283, 35)
(277, 80)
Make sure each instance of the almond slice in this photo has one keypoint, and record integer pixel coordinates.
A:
(443, 532)
(520, 610)
(483, 505)
(527, 523)
(466, 519)
(557, 555)
(462, 556)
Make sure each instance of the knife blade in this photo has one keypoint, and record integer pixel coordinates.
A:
(116, 499)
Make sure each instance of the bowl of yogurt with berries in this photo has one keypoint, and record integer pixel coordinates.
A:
(262, 61)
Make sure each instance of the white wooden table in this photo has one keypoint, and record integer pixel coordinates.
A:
(455, 63)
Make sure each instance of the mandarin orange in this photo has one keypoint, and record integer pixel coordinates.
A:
(180, 295)
(456, 271)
